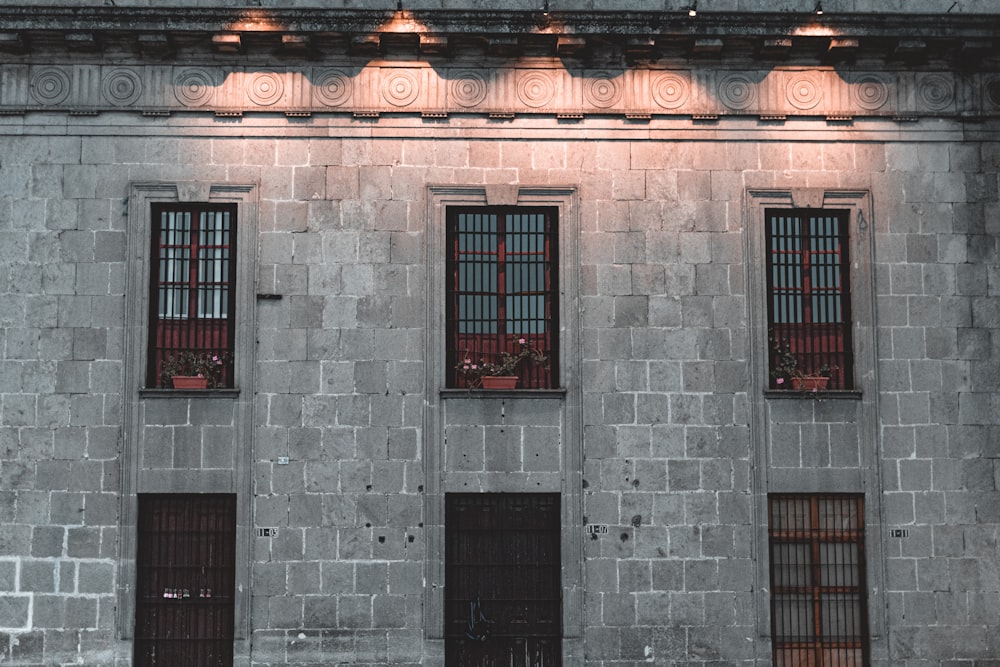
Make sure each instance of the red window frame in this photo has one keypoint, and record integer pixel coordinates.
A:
(191, 291)
(809, 295)
(502, 290)
(819, 606)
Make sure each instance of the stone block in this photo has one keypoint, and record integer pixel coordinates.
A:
(38, 576)
(465, 448)
(354, 611)
(503, 449)
(15, 611)
(542, 449)
(46, 541)
(687, 608)
(86, 410)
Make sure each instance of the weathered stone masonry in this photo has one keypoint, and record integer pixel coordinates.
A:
(342, 135)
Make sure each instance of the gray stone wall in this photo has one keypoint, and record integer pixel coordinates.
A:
(62, 323)
(339, 390)
(339, 434)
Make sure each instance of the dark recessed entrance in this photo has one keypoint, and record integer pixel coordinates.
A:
(185, 580)
(503, 595)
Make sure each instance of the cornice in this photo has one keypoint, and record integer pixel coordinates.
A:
(498, 21)
(499, 64)
(316, 33)
(539, 87)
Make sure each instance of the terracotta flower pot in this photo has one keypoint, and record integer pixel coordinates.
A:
(189, 382)
(499, 381)
(811, 383)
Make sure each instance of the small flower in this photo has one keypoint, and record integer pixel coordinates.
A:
(498, 363)
(203, 364)
(780, 381)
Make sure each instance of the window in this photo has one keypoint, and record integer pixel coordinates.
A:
(808, 296)
(185, 580)
(192, 275)
(502, 287)
(503, 579)
(817, 560)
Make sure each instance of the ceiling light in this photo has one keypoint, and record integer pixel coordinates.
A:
(693, 10)
(819, 9)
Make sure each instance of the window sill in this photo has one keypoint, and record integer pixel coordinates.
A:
(227, 392)
(502, 393)
(818, 394)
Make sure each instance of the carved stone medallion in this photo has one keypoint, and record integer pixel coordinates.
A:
(122, 87)
(738, 92)
(400, 89)
(671, 91)
(50, 86)
(535, 89)
(194, 87)
(468, 88)
(265, 88)
(602, 90)
(333, 87)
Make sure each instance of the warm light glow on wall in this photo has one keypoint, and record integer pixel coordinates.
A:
(815, 30)
(256, 21)
(402, 21)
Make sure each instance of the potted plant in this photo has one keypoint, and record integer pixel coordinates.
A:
(786, 370)
(498, 374)
(193, 370)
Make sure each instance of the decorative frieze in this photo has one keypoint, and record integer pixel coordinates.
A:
(544, 88)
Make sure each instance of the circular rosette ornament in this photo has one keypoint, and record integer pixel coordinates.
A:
(738, 92)
(468, 89)
(671, 91)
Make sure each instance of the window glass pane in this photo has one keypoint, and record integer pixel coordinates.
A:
(838, 513)
(790, 514)
(841, 615)
(213, 264)
(175, 258)
(793, 617)
(792, 564)
(839, 564)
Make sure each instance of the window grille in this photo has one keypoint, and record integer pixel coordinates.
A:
(503, 588)
(808, 285)
(192, 276)
(502, 289)
(817, 562)
(185, 580)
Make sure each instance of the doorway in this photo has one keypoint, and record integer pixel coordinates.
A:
(185, 580)
(503, 592)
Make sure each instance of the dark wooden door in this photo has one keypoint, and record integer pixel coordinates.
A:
(185, 580)
(503, 593)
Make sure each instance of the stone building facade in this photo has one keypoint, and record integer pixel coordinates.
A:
(653, 492)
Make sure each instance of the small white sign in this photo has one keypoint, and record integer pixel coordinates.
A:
(597, 528)
(267, 532)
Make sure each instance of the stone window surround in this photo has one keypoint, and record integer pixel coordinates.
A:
(565, 198)
(140, 198)
(862, 289)
(867, 479)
